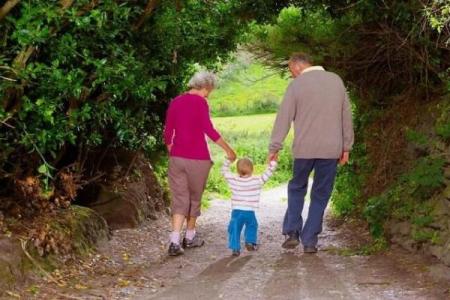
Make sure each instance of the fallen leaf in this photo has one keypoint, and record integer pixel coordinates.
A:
(125, 256)
(123, 282)
(79, 286)
(13, 294)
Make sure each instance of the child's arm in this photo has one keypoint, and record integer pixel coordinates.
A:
(226, 170)
(269, 171)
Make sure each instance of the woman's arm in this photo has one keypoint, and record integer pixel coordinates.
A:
(231, 155)
(208, 126)
(169, 128)
(212, 133)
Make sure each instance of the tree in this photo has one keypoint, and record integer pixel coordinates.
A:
(83, 75)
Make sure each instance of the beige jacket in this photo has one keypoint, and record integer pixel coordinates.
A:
(316, 102)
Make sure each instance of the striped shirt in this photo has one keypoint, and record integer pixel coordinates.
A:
(246, 191)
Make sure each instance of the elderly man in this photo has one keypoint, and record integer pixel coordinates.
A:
(317, 104)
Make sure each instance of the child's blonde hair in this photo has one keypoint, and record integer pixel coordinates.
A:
(244, 166)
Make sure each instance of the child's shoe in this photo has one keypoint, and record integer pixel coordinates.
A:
(251, 247)
(236, 253)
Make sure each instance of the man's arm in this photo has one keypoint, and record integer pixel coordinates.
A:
(347, 130)
(283, 122)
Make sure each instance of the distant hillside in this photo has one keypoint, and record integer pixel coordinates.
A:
(247, 87)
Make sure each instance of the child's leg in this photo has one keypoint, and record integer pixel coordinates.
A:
(251, 228)
(234, 230)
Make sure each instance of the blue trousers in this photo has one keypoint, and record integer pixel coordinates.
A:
(324, 176)
(239, 218)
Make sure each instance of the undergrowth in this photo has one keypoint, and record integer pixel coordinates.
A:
(407, 197)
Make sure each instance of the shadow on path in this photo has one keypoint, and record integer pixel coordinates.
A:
(304, 276)
(208, 283)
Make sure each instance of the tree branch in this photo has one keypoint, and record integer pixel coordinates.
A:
(7, 7)
(151, 6)
(4, 122)
(65, 4)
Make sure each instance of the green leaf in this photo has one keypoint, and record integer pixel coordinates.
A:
(43, 169)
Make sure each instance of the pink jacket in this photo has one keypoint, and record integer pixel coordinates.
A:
(187, 124)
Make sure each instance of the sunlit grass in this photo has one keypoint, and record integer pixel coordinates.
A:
(247, 89)
(250, 137)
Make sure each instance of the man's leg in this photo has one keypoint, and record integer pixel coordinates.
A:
(297, 189)
(324, 175)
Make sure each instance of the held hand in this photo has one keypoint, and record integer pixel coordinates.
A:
(231, 155)
(344, 158)
(273, 156)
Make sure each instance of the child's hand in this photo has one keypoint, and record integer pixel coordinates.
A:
(273, 156)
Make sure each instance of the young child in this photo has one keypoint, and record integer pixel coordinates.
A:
(246, 191)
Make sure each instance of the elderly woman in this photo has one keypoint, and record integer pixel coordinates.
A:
(187, 123)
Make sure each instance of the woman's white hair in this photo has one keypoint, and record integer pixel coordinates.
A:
(203, 79)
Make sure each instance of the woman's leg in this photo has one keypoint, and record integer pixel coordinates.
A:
(179, 188)
(190, 230)
(177, 222)
(198, 171)
(191, 221)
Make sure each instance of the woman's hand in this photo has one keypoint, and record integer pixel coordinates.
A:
(231, 155)
(169, 147)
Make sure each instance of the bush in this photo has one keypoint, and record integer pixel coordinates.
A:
(82, 75)
(406, 199)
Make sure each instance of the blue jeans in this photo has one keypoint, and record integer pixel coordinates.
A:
(324, 175)
(239, 218)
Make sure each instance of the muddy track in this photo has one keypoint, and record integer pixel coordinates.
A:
(273, 273)
(134, 265)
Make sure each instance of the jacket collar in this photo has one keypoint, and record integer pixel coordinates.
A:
(313, 68)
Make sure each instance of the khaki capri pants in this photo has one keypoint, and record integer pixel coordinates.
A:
(187, 181)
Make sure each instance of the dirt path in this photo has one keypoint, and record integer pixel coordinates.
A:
(134, 265)
(273, 273)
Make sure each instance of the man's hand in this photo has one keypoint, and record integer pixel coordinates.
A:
(273, 156)
(344, 158)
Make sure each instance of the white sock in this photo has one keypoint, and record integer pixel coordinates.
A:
(175, 237)
(190, 234)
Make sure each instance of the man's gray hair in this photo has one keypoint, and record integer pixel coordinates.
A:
(203, 79)
(301, 57)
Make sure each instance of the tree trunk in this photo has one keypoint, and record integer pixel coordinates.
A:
(151, 6)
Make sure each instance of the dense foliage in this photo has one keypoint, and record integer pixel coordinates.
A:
(382, 47)
(83, 75)
(395, 58)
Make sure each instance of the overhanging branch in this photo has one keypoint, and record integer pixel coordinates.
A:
(7, 7)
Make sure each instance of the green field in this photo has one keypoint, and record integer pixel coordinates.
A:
(247, 88)
(250, 137)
